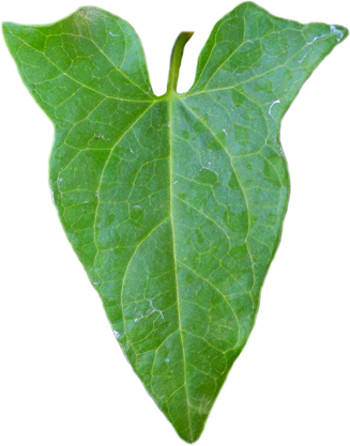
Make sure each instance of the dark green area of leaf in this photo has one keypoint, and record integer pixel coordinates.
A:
(174, 204)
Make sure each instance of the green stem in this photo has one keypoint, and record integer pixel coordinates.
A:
(175, 60)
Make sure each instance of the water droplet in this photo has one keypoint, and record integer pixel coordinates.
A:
(154, 309)
(339, 33)
(167, 360)
(277, 101)
(301, 60)
(316, 38)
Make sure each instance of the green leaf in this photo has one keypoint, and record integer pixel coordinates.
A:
(173, 204)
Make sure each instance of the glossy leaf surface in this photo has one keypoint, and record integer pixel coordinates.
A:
(173, 204)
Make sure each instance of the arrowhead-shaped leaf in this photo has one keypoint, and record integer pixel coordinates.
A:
(174, 204)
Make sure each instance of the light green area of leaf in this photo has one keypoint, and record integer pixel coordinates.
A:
(173, 204)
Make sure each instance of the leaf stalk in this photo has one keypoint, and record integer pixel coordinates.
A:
(175, 60)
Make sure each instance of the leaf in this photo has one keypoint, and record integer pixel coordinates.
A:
(173, 204)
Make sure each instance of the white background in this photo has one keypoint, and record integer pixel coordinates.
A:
(63, 378)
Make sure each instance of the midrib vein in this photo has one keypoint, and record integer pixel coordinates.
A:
(170, 126)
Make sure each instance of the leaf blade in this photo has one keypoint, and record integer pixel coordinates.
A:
(174, 204)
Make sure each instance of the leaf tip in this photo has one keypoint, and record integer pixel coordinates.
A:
(5, 27)
(248, 4)
(6, 31)
(340, 32)
(88, 12)
(190, 439)
(10, 28)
